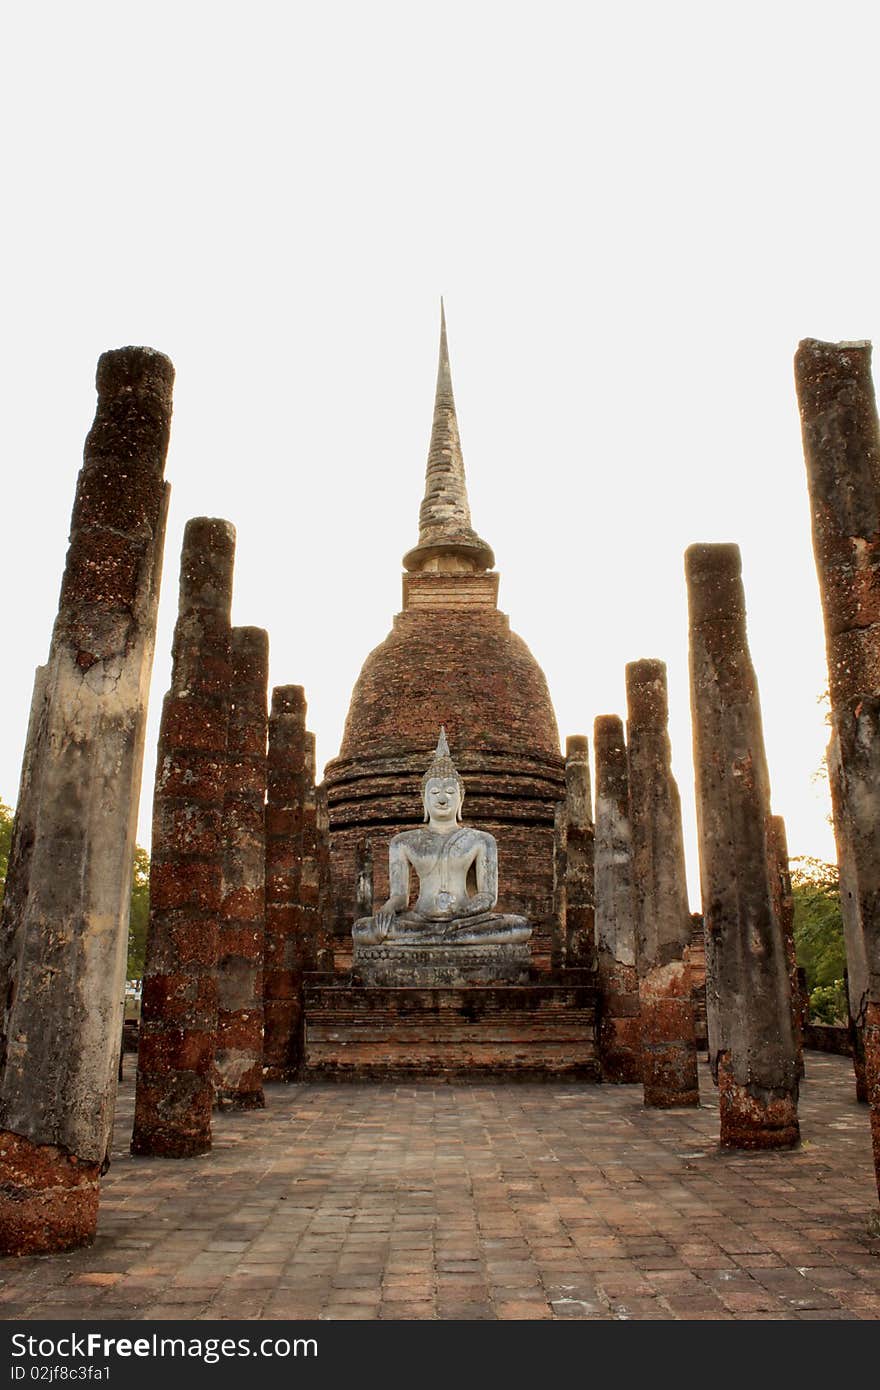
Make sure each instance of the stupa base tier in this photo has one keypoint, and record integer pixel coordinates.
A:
(533, 1032)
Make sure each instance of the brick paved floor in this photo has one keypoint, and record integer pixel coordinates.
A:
(520, 1201)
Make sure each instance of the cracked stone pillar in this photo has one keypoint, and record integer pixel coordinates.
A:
(663, 922)
(752, 1048)
(783, 906)
(175, 1092)
(304, 944)
(619, 1027)
(325, 897)
(239, 1057)
(697, 968)
(63, 939)
(580, 912)
(842, 454)
(284, 821)
(853, 933)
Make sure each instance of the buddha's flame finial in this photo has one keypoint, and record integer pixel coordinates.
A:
(445, 515)
(441, 764)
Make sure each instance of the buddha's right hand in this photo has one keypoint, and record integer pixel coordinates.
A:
(383, 921)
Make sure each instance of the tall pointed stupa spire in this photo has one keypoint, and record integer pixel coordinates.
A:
(445, 529)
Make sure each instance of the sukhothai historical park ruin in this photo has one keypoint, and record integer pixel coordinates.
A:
(446, 910)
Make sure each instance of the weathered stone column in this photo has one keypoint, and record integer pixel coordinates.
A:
(663, 923)
(239, 1058)
(619, 1028)
(697, 969)
(842, 453)
(324, 957)
(783, 907)
(558, 933)
(175, 1093)
(284, 814)
(63, 938)
(853, 932)
(752, 1048)
(580, 912)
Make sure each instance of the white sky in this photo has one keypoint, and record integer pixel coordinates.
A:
(634, 213)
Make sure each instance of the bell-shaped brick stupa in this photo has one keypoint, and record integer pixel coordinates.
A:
(449, 659)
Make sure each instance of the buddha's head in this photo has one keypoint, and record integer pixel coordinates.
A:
(442, 787)
(442, 798)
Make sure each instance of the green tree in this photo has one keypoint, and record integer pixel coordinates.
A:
(818, 935)
(140, 913)
(6, 818)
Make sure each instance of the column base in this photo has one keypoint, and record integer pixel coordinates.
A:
(620, 1026)
(750, 1121)
(48, 1198)
(172, 1117)
(620, 1051)
(669, 1049)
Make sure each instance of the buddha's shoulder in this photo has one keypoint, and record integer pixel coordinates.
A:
(468, 835)
(419, 839)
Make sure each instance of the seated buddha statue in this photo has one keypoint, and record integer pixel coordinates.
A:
(443, 853)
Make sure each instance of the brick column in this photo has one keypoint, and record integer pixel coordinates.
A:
(619, 1028)
(65, 913)
(284, 810)
(853, 932)
(842, 454)
(783, 906)
(239, 1059)
(175, 1093)
(663, 923)
(580, 911)
(752, 1047)
(324, 959)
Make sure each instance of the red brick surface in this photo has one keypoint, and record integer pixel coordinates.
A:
(501, 1031)
(498, 1202)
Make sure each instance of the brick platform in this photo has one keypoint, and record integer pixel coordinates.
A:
(509, 1032)
(559, 1201)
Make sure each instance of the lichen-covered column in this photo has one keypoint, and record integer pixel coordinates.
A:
(65, 914)
(853, 932)
(309, 877)
(783, 906)
(619, 1028)
(580, 915)
(239, 1057)
(842, 453)
(752, 1048)
(284, 811)
(663, 923)
(175, 1092)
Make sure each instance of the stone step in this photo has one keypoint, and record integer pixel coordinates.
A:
(497, 1032)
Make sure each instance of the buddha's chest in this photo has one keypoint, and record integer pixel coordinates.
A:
(444, 864)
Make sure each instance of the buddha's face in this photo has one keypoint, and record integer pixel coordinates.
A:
(443, 797)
